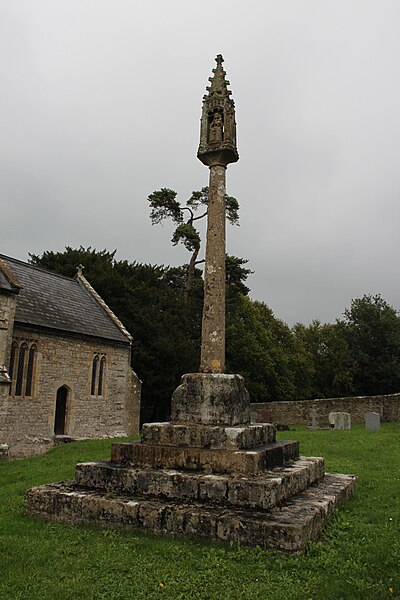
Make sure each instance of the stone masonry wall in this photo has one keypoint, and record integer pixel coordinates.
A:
(309, 412)
(8, 304)
(27, 424)
(7, 313)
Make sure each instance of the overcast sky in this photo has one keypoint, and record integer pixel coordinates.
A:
(100, 105)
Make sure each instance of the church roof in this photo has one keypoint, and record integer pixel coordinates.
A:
(60, 303)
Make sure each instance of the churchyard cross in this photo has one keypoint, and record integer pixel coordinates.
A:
(216, 150)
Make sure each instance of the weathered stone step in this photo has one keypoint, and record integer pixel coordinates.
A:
(208, 436)
(286, 529)
(241, 462)
(262, 492)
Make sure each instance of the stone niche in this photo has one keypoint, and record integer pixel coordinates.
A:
(207, 473)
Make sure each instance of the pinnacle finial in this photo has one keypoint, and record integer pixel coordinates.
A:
(79, 270)
(218, 82)
(218, 125)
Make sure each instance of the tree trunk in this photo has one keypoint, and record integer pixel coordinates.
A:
(190, 276)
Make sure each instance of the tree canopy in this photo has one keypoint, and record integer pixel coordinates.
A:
(164, 205)
(357, 355)
(371, 329)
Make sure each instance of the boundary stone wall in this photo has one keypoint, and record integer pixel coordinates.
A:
(311, 412)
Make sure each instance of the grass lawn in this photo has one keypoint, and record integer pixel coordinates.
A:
(358, 557)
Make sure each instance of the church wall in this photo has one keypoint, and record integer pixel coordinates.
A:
(8, 304)
(27, 424)
(7, 312)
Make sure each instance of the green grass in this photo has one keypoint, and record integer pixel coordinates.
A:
(359, 556)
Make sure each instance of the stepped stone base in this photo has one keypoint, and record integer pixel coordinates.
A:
(245, 462)
(207, 436)
(262, 492)
(286, 529)
(219, 478)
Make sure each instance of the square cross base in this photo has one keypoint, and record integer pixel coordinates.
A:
(211, 399)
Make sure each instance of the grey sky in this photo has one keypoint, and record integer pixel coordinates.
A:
(100, 105)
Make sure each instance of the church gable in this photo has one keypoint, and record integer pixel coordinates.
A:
(66, 362)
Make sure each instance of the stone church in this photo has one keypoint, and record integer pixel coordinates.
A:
(64, 362)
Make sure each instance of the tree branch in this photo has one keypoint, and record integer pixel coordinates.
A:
(192, 217)
(200, 216)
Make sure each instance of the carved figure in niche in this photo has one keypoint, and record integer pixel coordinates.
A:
(216, 129)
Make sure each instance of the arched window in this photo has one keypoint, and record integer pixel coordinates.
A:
(97, 384)
(94, 375)
(13, 356)
(22, 368)
(101, 376)
(29, 370)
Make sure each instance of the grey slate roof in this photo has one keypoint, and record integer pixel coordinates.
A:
(60, 303)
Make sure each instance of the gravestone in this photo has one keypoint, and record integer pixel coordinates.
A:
(372, 421)
(340, 420)
(208, 472)
(3, 451)
(314, 419)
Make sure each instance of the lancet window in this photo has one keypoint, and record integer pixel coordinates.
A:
(22, 368)
(97, 384)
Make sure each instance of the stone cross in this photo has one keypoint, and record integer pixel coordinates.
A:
(216, 150)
